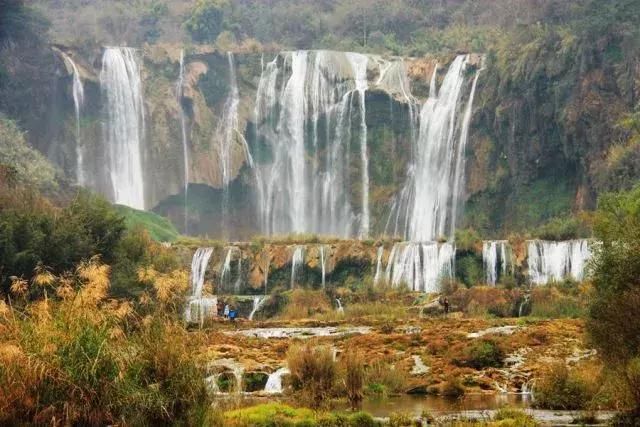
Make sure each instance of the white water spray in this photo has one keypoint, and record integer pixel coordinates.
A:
(124, 126)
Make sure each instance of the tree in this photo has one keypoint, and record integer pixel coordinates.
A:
(206, 20)
(614, 319)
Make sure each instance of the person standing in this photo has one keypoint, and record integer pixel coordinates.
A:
(226, 311)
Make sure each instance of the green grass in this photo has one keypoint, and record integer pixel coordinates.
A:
(159, 228)
(277, 414)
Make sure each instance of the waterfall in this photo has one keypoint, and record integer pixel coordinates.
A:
(124, 126)
(495, 259)
(199, 265)
(199, 308)
(238, 283)
(258, 302)
(555, 261)
(297, 261)
(359, 65)
(420, 266)
(228, 131)
(274, 382)
(340, 308)
(225, 274)
(377, 277)
(426, 207)
(185, 143)
(78, 102)
(323, 260)
(305, 112)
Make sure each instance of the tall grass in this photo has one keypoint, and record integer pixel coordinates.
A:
(313, 373)
(80, 358)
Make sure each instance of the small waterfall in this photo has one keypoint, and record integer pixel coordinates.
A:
(420, 266)
(340, 309)
(225, 274)
(496, 256)
(228, 131)
(199, 265)
(124, 125)
(359, 65)
(238, 283)
(425, 209)
(555, 261)
(199, 308)
(185, 143)
(524, 304)
(78, 102)
(323, 260)
(297, 262)
(258, 302)
(378, 276)
(274, 382)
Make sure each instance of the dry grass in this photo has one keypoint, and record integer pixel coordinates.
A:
(84, 359)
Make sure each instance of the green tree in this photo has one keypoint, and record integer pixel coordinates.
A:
(206, 20)
(614, 319)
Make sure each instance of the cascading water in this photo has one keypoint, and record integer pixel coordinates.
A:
(258, 302)
(228, 133)
(297, 262)
(426, 207)
(555, 261)
(198, 308)
(359, 65)
(124, 125)
(304, 111)
(323, 260)
(225, 274)
(378, 275)
(185, 143)
(78, 102)
(420, 266)
(238, 282)
(340, 308)
(274, 382)
(496, 258)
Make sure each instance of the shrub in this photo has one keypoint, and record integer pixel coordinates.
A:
(562, 389)
(384, 379)
(453, 388)
(206, 20)
(483, 354)
(313, 373)
(354, 378)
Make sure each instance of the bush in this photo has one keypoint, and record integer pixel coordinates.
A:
(313, 373)
(562, 389)
(85, 360)
(354, 378)
(206, 20)
(453, 388)
(483, 354)
(382, 379)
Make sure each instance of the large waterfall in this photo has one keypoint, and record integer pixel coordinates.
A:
(420, 266)
(78, 101)
(124, 125)
(425, 209)
(555, 261)
(306, 108)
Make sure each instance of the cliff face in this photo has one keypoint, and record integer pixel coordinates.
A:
(536, 142)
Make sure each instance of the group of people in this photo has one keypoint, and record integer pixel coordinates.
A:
(227, 311)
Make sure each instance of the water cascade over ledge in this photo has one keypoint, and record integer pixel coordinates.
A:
(124, 125)
(496, 259)
(78, 102)
(555, 261)
(198, 307)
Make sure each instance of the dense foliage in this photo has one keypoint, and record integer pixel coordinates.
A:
(613, 324)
